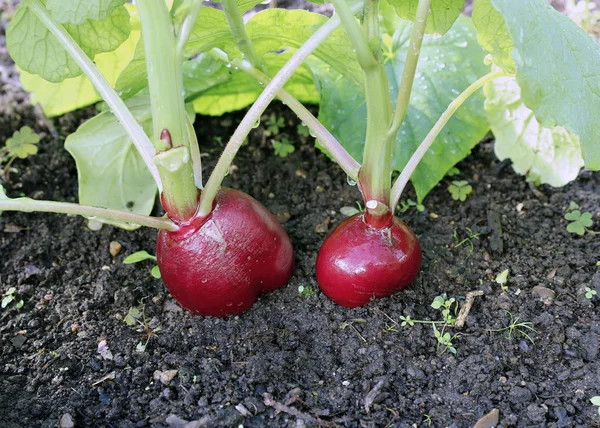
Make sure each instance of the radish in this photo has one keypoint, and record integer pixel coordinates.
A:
(358, 262)
(218, 265)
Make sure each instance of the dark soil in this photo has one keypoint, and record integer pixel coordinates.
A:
(298, 359)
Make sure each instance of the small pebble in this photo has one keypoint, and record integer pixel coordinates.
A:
(115, 248)
(66, 421)
(164, 377)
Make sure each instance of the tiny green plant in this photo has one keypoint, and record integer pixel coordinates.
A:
(283, 148)
(350, 211)
(590, 293)
(445, 304)
(580, 223)
(303, 130)
(11, 296)
(596, 402)
(22, 144)
(460, 190)
(453, 171)
(306, 291)
(502, 279)
(136, 317)
(405, 206)
(524, 328)
(444, 339)
(469, 239)
(274, 124)
(140, 256)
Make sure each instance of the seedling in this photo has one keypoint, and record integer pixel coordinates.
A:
(502, 279)
(469, 239)
(21, 145)
(9, 297)
(274, 125)
(580, 222)
(136, 317)
(405, 206)
(590, 293)
(516, 326)
(445, 304)
(596, 402)
(303, 130)
(140, 256)
(283, 148)
(350, 211)
(306, 291)
(453, 171)
(444, 340)
(460, 190)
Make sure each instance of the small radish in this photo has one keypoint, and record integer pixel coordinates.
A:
(218, 265)
(359, 262)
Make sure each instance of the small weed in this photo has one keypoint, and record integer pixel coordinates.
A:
(140, 256)
(350, 211)
(444, 340)
(580, 222)
(453, 171)
(274, 124)
(22, 144)
(460, 190)
(9, 297)
(470, 237)
(136, 317)
(590, 293)
(502, 279)
(306, 291)
(442, 302)
(516, 326)
(283, 148)
(405, 206)
(303, 130)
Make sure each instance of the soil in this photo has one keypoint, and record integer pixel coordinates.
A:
(296, 359)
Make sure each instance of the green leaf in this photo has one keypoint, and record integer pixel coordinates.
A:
(138, 256)
(71, 94)
(576, 227)
(438, 302)
(283, 148)
(36, 51)
(23, 142)
(551, 155)
(442, 16)
(493, 34)
(448, 66)
(246, 5)
(111, 172)
(77, 11)
(595, 400)
(558, 70)
(460, 190)
(573, 215)
(155, 272)
(6, 301)
(586, 219)
(502, 277)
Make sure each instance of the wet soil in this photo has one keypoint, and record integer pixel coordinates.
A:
(296, 359)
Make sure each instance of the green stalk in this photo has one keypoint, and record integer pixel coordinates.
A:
(410, 167)
(186, 27)
(376, 173)
(236, 23)
(169, 119)
(31, 205)
(335, 149)
(586, 17)
(108, 94)
(410, 66)
(257, 109)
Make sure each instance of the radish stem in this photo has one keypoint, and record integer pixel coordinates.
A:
(186, 28)
(31, 205)
(247, 123)
(236, 23)
(335, 149)
(108, 94)
(410, 167)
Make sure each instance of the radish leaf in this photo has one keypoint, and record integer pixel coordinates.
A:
(448, 65)
(77, 11)
(551, 154)
(111, 172)
(493, 34)
(443, 13)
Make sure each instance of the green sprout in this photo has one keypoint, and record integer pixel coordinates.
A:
(444, 340)
(136, 317)
(9, 297)
(470, 237)
(514, 326)
(283, 148)
(405, 206)
(22, 144)
(303, 130)
(350, 211)
(444, 303)
(596, 402)
(502, 279)
(453, 171)
(580, 222)
(140, 256)
(590, 293)
(274, 124)
(306, 291)
(460, 190)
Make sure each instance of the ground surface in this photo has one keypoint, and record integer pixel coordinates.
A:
(322, 363)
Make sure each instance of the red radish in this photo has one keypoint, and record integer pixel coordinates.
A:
(358, 262)
(219, 265)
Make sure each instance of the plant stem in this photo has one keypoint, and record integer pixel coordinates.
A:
(108, 94)
(31, 205)
(169, 118)
(586, 17)
(186, 28)
(376, 173)
(431, 136)
(195, 153)
(257, 109)
(410, 66)
(236, 23)
(335, 149)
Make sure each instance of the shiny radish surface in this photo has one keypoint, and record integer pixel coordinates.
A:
(219, 265)
(358, 262)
